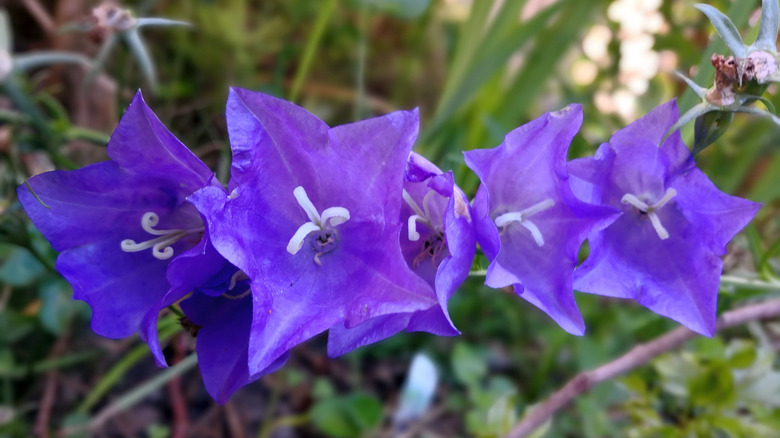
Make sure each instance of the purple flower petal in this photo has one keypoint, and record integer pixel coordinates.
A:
(664, 249)
(442, 255)
(191, 270)
(525, 188)
(118, 224)
(357, 270)
(223, 342)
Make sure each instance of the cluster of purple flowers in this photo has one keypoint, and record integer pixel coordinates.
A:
(345, 229)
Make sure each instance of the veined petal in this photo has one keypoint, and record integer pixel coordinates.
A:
(668, 260)
(538, 256)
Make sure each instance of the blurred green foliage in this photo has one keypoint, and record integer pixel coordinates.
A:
(474, 76)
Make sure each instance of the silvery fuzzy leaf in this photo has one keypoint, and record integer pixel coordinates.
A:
(726, 29)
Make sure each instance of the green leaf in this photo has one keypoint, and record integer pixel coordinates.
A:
(6, 34)
(742, 354)
(346, 417)
(710, 127)
(726, 29)
(499, 42)
(402, 8)
(14, 326)
(162, 22)
(502, 415)
(715, 386)
(323, 388)
(58, 307)
(8, 366)
(767, 32)
(21, 268)
(30, 61)
(468, 364)
(77, 422)
(137, 47)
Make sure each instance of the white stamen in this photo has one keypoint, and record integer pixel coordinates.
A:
(237, 297)
(670, 193)
(336, 216)
(330, 217)
(507, 218)
(412, 204)
(537, 235)
(414, 236)
(659, 228)
(522, 216)
(305, 203)
(426, 201)
(161, 246)
(538, 207)
(630, 199)
(235, 278)
(304, 230)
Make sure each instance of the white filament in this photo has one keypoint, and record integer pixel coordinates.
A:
(330, 216)
(161, 246)
(650, 210)
(414, 236)
(522, 216)
(421, 215)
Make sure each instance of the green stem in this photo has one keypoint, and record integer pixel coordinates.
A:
(361, 67)
(139, 393)
(287, 421)
(763, 264)
(64, 361)
(311, 47)
(176, 311)
(749, 283)
(98, 138)
(41, 258)
(120, 368)
(724, 280)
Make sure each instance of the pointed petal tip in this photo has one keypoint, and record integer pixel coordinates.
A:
(571, 111)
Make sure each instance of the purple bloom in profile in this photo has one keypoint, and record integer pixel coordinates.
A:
(220, 312)
(119, 223)
(131, 244)
(438, 243)
(529, 223)
(313, 220)
(664, 250)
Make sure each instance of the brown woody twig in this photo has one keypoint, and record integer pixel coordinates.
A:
(636, 357)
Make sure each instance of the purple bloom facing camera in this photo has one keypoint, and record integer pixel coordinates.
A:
(528, 221)
(664, 250)
(438, 242)
(312, 219)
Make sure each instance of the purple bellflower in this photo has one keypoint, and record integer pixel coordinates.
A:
(664, 250)
(312, 219)
(528, 221)
(130, 244)
(438, 242)
(119, 223)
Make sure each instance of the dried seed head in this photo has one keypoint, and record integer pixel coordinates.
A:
(109, 16)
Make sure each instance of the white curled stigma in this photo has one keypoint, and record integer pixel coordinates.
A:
(422, 215)
(234, 279)
(330, 217)
(522, 217)
(650, 210)
(161, 246)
